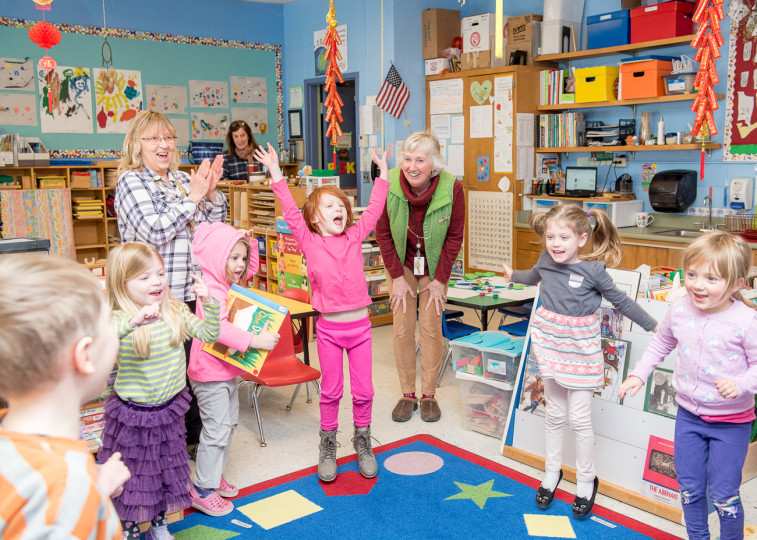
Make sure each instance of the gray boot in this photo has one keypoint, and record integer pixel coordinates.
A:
(362, 444)
(327, 456)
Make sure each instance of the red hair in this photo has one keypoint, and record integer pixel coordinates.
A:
(310, 208)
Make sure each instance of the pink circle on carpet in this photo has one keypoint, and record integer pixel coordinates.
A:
(413, 463)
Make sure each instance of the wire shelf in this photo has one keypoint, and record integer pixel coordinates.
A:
(742, 224)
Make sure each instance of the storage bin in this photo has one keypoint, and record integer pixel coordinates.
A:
(372, 255)
(644, 79)
(598, 83)
(379, 308)
(621, 213)
(51, 182)
(608, 29)
(467, 351)
(679, 83)
(663, 21)
(377, 283)
(485, 404)
(314, 182)
(556, 36)
(502, 361)
(261, 245)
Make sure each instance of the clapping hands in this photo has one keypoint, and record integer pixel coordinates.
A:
(204, 181)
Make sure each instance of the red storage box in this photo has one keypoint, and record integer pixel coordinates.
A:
(643, 79)
(663, 21)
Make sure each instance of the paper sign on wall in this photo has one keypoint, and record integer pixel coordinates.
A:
(16, 74)
(18, 109)
(166, 99)
(67, 107)
(256, 118)
(248, 90)
(209, 94)
(209, 126)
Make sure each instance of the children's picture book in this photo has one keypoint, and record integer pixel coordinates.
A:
(661, 396)
(249, 311)
(628, 282)
(610, 322)
(659, 481)
(532, 397)
(616, 353)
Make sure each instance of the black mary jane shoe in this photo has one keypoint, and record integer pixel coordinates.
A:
(545, 496)
(582, 507)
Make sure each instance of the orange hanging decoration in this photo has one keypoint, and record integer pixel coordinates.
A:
(45, 35)
(332, 102)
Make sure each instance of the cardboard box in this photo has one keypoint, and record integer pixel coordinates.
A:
(598, 83)
(628, 4)
(478, 31)
(530, 48)
(520, 29)
(476, 60)
(435, 66)
(439, 28)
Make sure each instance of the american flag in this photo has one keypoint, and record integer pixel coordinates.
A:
(394, 94)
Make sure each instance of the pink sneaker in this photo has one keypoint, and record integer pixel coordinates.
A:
(212, 505)
(226, 489)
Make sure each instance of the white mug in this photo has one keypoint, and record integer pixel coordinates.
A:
(643, 219)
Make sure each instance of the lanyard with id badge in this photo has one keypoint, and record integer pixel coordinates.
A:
(419, 261)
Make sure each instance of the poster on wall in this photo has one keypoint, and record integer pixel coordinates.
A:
(740, 139)
(18, 109)
(181, 126)
(67, 107)
(209, 94)
(209, 126)
(503, 124)
(248, 90)
(166, 99)
(118, 98)
(256, 118)
(16, 74)
(490, 230)
(319, 50)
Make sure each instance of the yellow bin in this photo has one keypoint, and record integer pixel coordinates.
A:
(599, 83)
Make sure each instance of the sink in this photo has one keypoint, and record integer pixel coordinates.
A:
(681, 232)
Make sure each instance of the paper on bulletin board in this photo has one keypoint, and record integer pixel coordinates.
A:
(480, 122)
(18, 109)
(455, 160)
(457, 129)
(256, 118)
(525, 163)
(118, 101)
(209, 126)
(16, 74)
(445, 97)
(181, 126)
(209, 94)
(295, 97)
(490, 229)
(248, 89)
(370, 119)
(67, 108)
(503, 124)
(319, 49)
(166, 99)
(440, 125)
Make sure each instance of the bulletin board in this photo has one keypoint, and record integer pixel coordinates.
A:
(169, 63)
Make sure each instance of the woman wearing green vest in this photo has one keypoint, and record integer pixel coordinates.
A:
(420, 234)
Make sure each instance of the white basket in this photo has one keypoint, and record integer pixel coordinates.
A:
(314, 182)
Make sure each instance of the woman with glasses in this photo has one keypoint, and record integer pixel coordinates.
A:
(160, 205)
(241, 144)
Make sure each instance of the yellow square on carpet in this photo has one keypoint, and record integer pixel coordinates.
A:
(550, 526)
(279, 509)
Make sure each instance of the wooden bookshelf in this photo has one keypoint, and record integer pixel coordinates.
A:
(619, 49)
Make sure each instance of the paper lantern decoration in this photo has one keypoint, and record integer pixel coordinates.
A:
(45, 35)
(47, 63)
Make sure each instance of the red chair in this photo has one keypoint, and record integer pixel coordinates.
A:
(298, 328)
(281, 368)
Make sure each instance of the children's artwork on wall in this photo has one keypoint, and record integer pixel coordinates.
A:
(482, 168)
(209, 126)
(610, 322)
(181, 125)
(248, 90)
(18, 109)
(118, 98)
(16, 74)
(740, 139)
(166, 99)
(661, 396)
(616, 354)
(256, 118)
(209, 94)
(532, 396)
(648, 170)
(65, 100)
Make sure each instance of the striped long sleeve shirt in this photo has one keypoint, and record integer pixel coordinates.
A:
(158, 378)
(48, 489)
(160, 214)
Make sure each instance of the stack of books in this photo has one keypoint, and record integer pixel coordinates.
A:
(560, 130)
(556, 86)
(87, 208)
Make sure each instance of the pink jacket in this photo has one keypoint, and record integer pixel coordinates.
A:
(335, 263)
(211, 247)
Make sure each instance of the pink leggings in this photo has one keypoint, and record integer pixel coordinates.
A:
(355, 338)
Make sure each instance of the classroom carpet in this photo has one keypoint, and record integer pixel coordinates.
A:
(425, 488)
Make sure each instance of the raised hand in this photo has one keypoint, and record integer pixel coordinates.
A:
(200, 289)
(200, 181)
(146, 315)
(270, 159)
(381, 162)
(216, 171)
(265, 340)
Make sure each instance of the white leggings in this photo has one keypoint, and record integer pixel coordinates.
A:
(576, 404)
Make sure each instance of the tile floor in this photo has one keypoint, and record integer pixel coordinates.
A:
(292, 437)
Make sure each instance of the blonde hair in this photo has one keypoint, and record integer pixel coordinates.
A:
(48, 304)
(145, 122)
(726, 254)
(243, 278)
(605, 241)
(125, 262)
(426, 142)
(310, 208)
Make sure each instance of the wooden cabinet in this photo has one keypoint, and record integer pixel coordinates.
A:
(528, 248)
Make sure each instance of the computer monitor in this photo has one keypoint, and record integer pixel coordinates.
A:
(580, 181)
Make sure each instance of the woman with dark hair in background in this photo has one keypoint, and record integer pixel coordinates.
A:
(241, 146)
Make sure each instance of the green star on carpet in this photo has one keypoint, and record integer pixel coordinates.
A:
(478, 494)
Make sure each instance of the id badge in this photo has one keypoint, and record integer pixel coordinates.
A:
(418, 265)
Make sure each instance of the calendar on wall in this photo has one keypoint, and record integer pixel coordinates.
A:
(490, 230)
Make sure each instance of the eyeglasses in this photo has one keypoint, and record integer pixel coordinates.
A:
(154, 141)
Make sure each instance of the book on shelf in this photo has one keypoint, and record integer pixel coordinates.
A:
(249, 311)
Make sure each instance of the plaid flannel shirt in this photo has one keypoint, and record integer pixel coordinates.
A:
(150, 212)
(234, 167)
